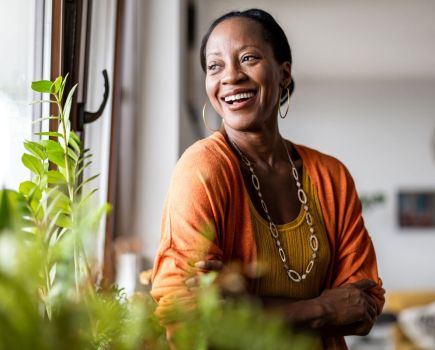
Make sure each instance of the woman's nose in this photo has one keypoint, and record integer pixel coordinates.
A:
(232, 74)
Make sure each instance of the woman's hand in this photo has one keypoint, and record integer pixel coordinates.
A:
(202, 267)
(350, 306)
(232, 279)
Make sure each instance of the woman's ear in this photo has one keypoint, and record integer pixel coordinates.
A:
(286, 74)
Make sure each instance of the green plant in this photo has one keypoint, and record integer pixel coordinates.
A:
(369, 201)
(58, 217)
(49, 296)
(233, 324)
(97, 320)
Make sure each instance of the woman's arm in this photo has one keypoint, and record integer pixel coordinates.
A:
(345, 310)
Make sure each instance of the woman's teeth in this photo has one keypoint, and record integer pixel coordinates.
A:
(239, 97)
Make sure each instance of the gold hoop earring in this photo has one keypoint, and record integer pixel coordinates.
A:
(205, 121)
(288, 105)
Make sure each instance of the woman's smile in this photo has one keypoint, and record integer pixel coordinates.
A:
(239, 99)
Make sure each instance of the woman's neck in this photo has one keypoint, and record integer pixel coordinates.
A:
(264, 148)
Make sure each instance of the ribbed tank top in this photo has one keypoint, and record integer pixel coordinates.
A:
(274, 281)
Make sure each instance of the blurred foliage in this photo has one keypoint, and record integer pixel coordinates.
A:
(369, 201)
(50, 297)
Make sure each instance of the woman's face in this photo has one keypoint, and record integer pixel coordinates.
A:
(243, 79)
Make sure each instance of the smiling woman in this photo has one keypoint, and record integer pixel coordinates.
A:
(247, 195)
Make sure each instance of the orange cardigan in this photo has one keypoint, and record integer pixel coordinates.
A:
(207, 216)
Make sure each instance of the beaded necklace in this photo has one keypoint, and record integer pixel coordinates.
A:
(303, 199)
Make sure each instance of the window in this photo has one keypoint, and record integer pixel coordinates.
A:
(24, 35)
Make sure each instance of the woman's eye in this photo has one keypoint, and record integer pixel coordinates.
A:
(248, 58)
(212, 66)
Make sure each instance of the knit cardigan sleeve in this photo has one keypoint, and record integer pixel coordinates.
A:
(353, 254)
(191, 222)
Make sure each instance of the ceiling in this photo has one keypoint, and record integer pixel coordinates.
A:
(348, 39)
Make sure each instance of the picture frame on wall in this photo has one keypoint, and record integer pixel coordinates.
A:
(416, 209)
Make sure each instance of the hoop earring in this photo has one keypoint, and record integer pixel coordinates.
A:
(204, 119)
(288, 106)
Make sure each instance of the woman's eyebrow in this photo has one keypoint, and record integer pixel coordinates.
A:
(244, 47)
(214, 53)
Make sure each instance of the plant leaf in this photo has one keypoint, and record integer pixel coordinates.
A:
(88, 195)
(36, 149)
(55, 177)
(64, 221)
(59, 201)
(84, 157)
(66, 133)
(12, 210)
(33, 164)
(41, 101)
(85, 182)
(52, 274)
(30, 190)
(83, 168)
(45, 118)
(41, 204)
(62, 87)
(73, 143)
(67, 107)
(56, 85)
(42, 86)
(75, 137)
(55, 152)
(49, 133)
(73, 155)
(6, 211)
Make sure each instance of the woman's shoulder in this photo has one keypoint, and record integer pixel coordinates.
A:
(318, 160)
(210, 156)
(209, 151)
(324, 168)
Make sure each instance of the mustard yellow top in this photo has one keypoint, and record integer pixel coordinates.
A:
(294, 239)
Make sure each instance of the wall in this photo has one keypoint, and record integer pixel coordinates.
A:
(97, 134)
(160, 114)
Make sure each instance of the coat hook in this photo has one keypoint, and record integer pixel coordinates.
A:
(86, 117)
(90, 117)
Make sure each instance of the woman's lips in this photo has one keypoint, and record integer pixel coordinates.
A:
(239, 104)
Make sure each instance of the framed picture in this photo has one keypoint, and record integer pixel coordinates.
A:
(417, 209)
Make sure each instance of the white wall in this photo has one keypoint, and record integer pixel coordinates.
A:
(160, 111)
(365, 87)
(97, 134)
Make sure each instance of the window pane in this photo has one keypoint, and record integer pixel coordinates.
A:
(21, 30)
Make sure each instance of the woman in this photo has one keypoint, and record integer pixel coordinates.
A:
(245, 194)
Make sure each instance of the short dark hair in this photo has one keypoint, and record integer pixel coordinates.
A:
(273, 34)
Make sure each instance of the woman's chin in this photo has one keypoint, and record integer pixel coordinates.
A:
(240, 125)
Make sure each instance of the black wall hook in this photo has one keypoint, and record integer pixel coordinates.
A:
(89, 117)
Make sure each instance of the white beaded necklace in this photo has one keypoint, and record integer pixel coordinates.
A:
(303, 199)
